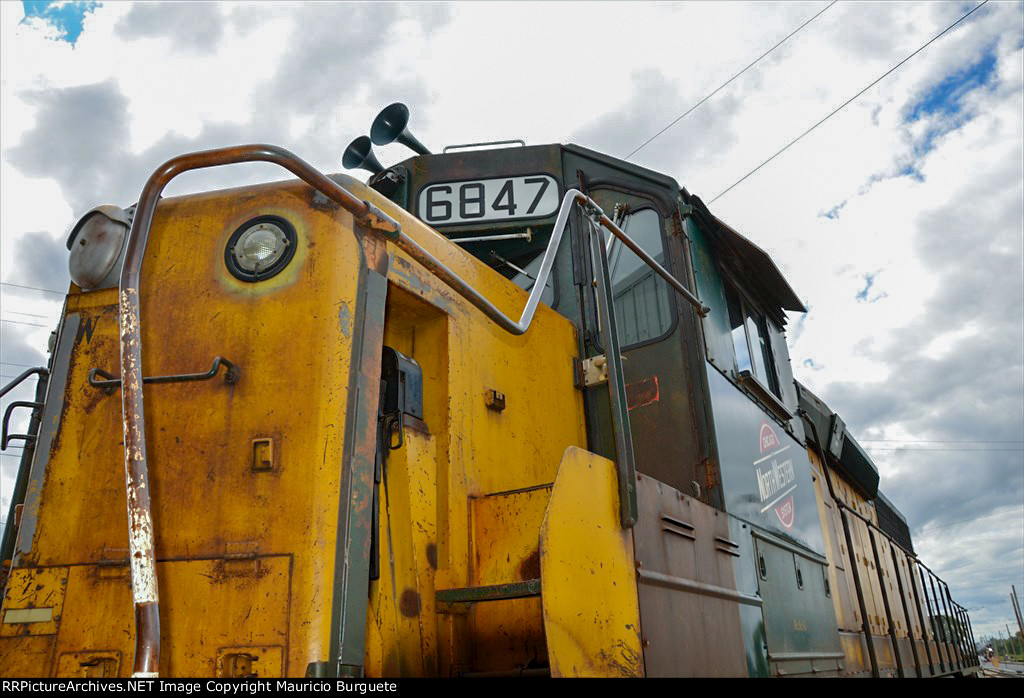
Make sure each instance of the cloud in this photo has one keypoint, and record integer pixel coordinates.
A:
(195, 27)
(655, 101)
(43, 261)
(85, 167)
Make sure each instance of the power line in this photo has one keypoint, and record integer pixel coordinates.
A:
(943, 450)
(33, 288)
(18, 312)
(941, 441)
(837, 109)
(19, 322)
(724, 84)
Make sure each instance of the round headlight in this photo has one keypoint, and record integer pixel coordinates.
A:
(97, 243)
(260, 248)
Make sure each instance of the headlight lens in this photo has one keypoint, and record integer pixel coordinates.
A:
(97, 243)
(260, 248)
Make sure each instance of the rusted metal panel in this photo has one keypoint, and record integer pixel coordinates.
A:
(34, 601)
(26, 656)
(691, 628)
(505, 530)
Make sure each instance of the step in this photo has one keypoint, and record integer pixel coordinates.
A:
(495, 592)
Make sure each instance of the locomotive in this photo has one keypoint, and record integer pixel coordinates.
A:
(504, 410)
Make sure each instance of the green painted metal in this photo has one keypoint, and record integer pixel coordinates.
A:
(800, 621)
(711, 290)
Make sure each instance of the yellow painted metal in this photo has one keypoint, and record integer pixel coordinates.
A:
(102, 664)
(253, 548)
(34, 601)
(248, 661)
(505, 531)
(291, 338)
(26, 656)
(401, 623)
(840, 567)
(588, 578)
(472, 452)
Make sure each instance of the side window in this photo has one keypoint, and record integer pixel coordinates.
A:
(751, 340)
(643, 304)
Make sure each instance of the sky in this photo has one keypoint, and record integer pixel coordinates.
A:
(899, 221)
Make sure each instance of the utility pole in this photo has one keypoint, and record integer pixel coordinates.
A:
(1016, 610)
(1013, 645)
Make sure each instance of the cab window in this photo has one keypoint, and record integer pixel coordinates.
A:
(751, 341)
(643, 304)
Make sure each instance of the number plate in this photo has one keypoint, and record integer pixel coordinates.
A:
(501, 199)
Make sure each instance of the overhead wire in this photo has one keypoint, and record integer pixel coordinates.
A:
(851, 99)
(33, 288)
(726, 83)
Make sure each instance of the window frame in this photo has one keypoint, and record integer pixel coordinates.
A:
(755, 311)
(673, 308)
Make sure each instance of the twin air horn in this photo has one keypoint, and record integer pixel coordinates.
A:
(390, 126)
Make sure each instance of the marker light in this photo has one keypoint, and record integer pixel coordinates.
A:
(260, 248)
(97, 243)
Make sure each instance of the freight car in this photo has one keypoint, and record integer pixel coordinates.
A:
(524, 410)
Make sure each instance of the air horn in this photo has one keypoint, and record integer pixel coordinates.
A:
(391, 125)
(359, 155)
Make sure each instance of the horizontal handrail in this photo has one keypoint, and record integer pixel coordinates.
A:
(112, 382)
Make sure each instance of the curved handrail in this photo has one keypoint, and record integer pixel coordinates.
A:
(571, 197)
(24, 374)
(140, 521)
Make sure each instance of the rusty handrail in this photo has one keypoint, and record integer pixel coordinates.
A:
(108, 383)
(140, 521)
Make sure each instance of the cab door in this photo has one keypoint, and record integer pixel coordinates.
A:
(660, 340)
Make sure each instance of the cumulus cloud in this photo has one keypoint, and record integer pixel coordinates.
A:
(193, 27)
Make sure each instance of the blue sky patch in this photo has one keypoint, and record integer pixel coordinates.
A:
(66, 17)
(869, 281)
(944, 102)
(946, 97)
(832, 213)
(864, 296)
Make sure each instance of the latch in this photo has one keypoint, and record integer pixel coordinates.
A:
(238, 666)
(99, 667)
(595, 370)
(90, 664)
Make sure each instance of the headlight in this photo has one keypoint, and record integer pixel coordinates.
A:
(97, 243)
(260, 248)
